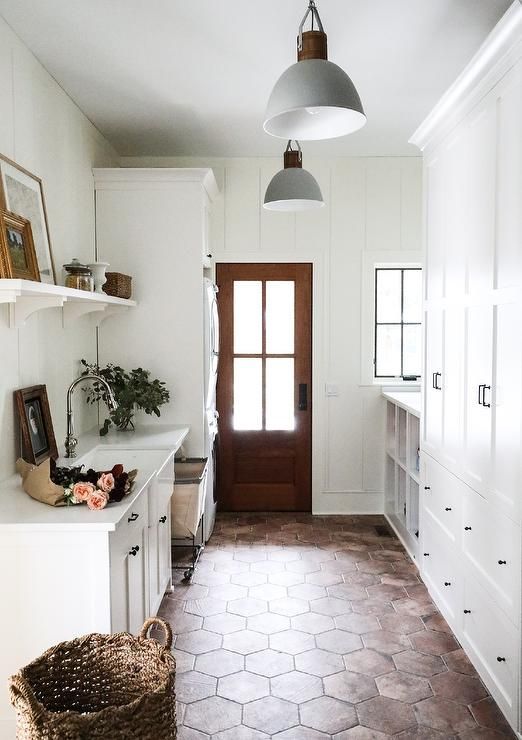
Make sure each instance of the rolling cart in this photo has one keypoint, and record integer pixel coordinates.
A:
(188, 510)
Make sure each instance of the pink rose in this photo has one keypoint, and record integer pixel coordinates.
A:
(97, 500)
(82, 491)
(106, 482)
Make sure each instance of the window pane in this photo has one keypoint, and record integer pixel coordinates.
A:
(388, 350)
(280, 393)
(388, 296)
(248, 397)
(412, 305)
(280, 317)
(412, 350)
(247, 317)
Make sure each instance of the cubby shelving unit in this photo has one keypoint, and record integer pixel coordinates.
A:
(401, 471)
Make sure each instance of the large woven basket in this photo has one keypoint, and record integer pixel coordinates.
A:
(115, 687)
(118, 285)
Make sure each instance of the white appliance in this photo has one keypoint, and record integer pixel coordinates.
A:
(211, 339)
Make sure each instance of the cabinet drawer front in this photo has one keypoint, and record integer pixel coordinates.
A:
(488, 635)
(442, 498)
(161, 490)
(491, 545)
(441, 572)
(133, 521)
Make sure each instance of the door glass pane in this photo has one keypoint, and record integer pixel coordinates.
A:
(280, 412)
(412, 308)
(247, 317)
(388, 296)
(412, 350)
(248, 396)
(388, 350)
(280, 317)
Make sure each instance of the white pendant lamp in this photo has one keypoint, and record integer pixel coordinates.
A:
(292, 188)
(314, 98)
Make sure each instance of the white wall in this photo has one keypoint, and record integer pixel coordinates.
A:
(44, 131)
(373, 204)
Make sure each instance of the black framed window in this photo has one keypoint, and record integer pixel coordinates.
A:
(398, 320)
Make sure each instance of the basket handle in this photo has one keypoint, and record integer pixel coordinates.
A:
(21, 695)
(156, 621)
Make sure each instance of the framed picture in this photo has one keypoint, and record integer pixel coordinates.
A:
(22, 193)
(17, 255)
(36, 425)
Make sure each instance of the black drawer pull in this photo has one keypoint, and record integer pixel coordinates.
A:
(133, 517)
(502, 562)
(447, 583)
(435, 381)
(163, 519)
(448, 508)
(134, 550)
(467, 611)
(467, 529)
(426, 554)
(501, 660)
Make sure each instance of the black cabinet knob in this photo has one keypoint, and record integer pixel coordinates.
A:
(502, 562)
(448, 508)
(447, 583)
(467, 611)
(426, 554)
(467, 529)
(134, 550)
(133, 517)
(427, 488)
(163, 519)
(501, 660)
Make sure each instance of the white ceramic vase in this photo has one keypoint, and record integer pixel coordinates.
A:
(98, 270)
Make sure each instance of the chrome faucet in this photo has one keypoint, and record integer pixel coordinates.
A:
(70, 440)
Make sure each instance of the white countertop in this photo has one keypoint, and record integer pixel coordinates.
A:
(408, 400)
(18, 511)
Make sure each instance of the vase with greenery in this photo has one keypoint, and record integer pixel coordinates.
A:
(132, 389)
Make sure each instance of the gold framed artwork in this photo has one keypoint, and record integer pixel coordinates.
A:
(17, 254)
(21, 192)
(36, 425)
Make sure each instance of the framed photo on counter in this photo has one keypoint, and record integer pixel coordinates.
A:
(36, 426)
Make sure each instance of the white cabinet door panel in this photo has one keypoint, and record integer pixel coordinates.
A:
(505, 491)
(480, 190)
(129, 598)
(479, 393)
(433, 382)
(441, 573)
(435, 183)
(453, 388)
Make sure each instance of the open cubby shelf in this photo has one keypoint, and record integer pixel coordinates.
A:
(401, 474)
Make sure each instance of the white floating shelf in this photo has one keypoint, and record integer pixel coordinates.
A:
(26, 297)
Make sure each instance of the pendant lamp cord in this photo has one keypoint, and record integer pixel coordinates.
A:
(312, 9)
(289, 147)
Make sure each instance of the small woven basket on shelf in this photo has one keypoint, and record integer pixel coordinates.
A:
(118, 285)
(111, 687)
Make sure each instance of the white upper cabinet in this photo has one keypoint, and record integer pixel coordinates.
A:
(433, 382)
(435, 219)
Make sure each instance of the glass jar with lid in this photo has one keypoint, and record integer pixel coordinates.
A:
(78, 276)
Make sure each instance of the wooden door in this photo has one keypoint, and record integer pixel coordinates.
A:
(264, 386)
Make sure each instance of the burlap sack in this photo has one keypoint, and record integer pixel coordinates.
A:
(36, 481)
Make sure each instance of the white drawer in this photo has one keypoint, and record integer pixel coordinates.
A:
(442, 497)
(492, 642)
(161, 490)
(441, 572)
(491, 546)
(132, 523)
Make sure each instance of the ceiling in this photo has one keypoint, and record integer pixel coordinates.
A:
(166, 77)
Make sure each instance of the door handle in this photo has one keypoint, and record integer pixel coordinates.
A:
(302, 404)
(435, 381)
(486, 388)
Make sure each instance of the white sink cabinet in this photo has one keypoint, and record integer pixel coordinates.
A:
(67, 571)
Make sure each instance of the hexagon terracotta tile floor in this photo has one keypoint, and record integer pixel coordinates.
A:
(301, 627)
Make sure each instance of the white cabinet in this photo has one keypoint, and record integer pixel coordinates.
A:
(471, 470)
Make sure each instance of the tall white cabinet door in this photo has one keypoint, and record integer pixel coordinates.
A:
(507, 437)
(433, 384)
(129, 579)
(479, 216)
(435, 184)
(479, 397)
(453, 388)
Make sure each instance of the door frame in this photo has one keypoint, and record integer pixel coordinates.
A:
(319, 478)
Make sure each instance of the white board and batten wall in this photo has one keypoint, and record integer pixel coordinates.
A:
(373, 206)
(471, 431)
